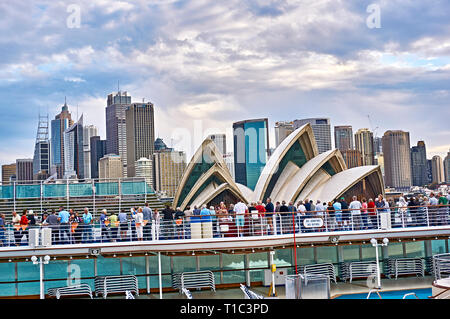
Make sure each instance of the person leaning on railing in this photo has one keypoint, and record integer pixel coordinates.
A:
(87, 235)
(24, 224)
(179, 223)
(17, 231)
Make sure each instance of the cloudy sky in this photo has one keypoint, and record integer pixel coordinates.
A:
(205, 64)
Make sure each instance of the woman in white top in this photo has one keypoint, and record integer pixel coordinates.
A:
(139, 220)
(402, 210)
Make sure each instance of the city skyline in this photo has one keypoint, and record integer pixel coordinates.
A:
(396, 75)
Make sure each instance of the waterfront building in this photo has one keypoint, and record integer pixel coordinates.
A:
(295, 171)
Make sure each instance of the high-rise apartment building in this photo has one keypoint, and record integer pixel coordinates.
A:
(8, 173)
(110, 167)
(282, 130)
(437, 169)
(61, 123)
(343, 137)
(322, 131)
(140, 134)
(74, 151)
(419, 164)
(98, 150)
(116, 138)
(352, 158)
(221, 141)
(364, 144)
(251, 145)
(24, 170)
(88, 132)
(397, 159)
(168, 167)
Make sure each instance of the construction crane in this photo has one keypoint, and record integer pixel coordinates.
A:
(374, 130)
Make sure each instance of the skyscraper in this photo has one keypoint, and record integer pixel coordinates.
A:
(282, 130)
(221, 141)
(447, 168)
(98, 150)
(437, 169)
(88, 132)
(42, 158)
(24, 169)
(397, 159)
(8, 171)
(116, 138)
(61, 122)
(168, 167)
(343, 137)
(321, 129)
(73, 151)
(251, 144)
(419, 164)
(364, 144)
(140, 133)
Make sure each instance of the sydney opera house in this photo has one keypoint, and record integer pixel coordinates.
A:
(295, 171)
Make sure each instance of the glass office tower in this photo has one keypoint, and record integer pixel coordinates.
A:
(251, 143)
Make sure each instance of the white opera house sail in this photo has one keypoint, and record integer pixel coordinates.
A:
(295, 171)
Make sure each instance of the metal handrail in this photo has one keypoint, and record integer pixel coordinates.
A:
(373, 290)
(410, 294)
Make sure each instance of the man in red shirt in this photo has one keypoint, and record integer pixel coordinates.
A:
(261, 213)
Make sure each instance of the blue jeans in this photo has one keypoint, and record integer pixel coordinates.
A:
(64, 228)
(87, 235)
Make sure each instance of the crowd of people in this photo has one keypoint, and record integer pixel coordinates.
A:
(238, 219)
